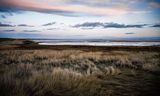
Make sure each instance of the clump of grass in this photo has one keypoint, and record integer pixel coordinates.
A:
(151, 68)
(112, 71)
(60, 82)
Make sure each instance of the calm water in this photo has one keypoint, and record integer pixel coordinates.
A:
(95, 43)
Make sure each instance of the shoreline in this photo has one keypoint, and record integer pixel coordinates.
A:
(102, 43)
(8, 44)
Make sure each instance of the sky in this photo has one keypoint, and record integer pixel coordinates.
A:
(79, 19)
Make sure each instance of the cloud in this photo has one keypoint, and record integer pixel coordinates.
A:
(25, 25)
(6, 25)
(87, 28)
(48, 24)
(63, 8)
(154, 5)
(11, 30)
(9, 25)
(129, 33)
(2, 16)
(7, 11)
(116, 25)
(52, 28)
(98, 2)
(31, 31)
(20, 35)
(156, 25)
(107, 25)
(89, 24)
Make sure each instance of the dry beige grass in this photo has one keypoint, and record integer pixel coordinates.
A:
(76, 72)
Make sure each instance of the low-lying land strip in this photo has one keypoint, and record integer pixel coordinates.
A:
(29, 69)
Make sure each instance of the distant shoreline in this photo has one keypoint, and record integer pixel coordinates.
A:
(24, 44)
(90, 40)
(100, 40)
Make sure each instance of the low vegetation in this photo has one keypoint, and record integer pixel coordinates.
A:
(79, 73)
(28, 69)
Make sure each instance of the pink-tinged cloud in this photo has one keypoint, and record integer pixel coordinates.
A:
(154, 5)
(35, 5)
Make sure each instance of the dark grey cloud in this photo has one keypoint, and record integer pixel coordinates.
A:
(48, 24)
(3, 16)
(31, 31)
(10, 30)
(89, 24)
(7, 11)
(116, 25)
(156, 25)
(52, 28)
(130, 33)
(25, 25)
(6, 25)
(107, 25)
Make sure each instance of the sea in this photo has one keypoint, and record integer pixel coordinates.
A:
(95, 42)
